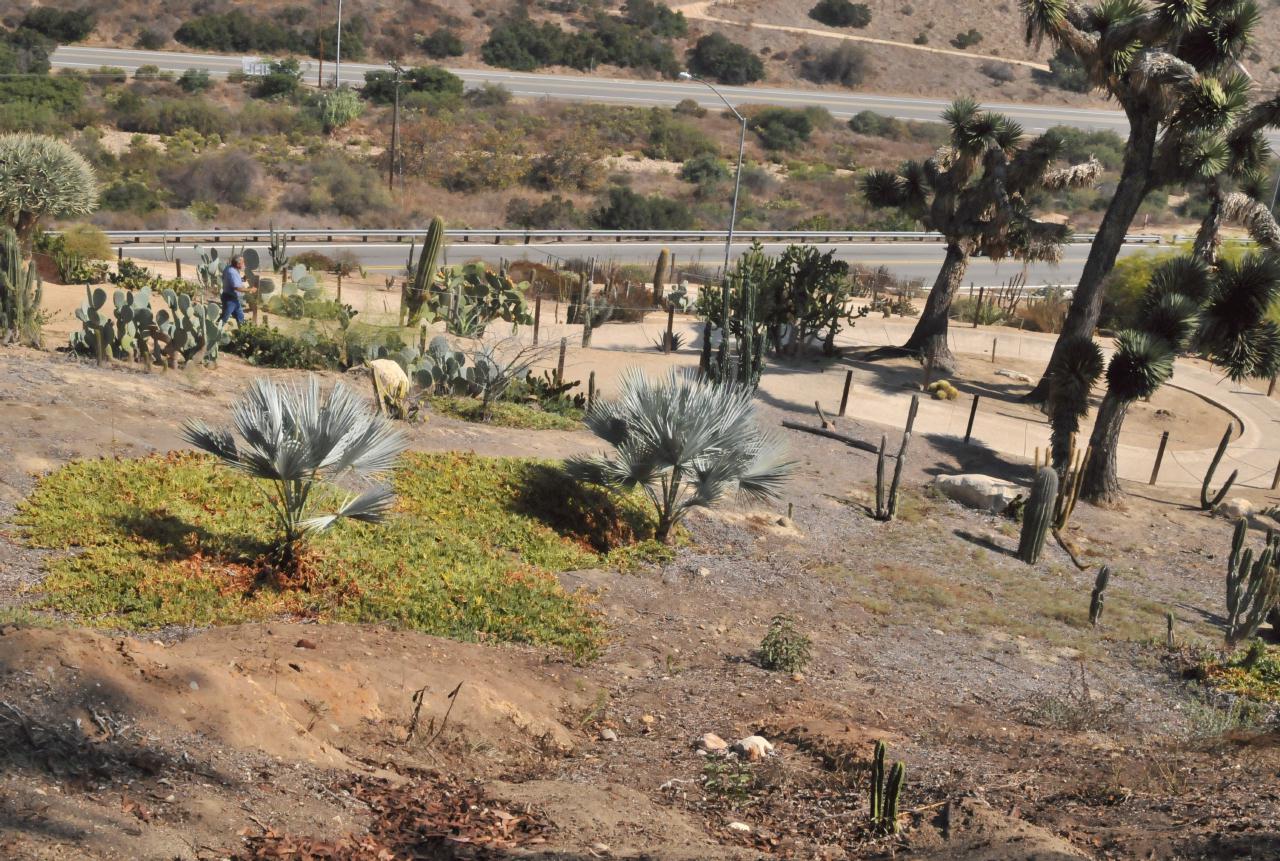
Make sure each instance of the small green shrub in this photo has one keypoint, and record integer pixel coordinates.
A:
(841, 13)
(268, 347)
(782, 128)
(967, 39)
(441, 43)
(715, 56)
(61, 25)
(624, 209)
(847, 64)
(707, 167)
(784, 646)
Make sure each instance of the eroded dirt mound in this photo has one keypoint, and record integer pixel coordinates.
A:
(972, 830)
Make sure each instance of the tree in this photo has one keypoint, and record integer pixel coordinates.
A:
(1168, 67)
(1221, 313)
(442, 43)
(841, 13)
(624, 209)
(976, 194)
(297, 440)
(60, 25)
(714, 56)
(686, 441)
(41, 177)
(283, 78)
(781, 128)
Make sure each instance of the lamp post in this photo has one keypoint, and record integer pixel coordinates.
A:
(733, 213)
(394, 162)
(337, 52)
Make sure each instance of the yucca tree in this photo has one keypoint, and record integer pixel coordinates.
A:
(1220, 312)
(975, 193)
(687, 441)
(295, 439)
(1079, 369)
(1172, 66)
(42, 177)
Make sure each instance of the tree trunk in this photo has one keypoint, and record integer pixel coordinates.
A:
(1100, 482)
(929, 339)
(1207, 239)
(1131, 191)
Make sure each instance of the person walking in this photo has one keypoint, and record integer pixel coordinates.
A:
(233, 287)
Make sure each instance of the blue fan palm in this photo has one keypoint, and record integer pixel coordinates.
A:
(295, 439)
(687, 441)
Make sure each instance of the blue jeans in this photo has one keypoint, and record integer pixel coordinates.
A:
(231, 308)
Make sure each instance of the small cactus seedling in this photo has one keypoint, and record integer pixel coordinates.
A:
(1098, 598)
(885, 792)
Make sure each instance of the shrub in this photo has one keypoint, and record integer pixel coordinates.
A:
(673, 139)
(336, 108)
(967, 39)
(624, 209)
(85, 241)
(878, 125)
(194, 81)
(58, 96)
(784, 646)
(841, 13)
(520, 44)
(781, 128)
(554, 213)
(380, 86)
(332, 183)
(442, 43)
(846, 64)
(1001, 73)
(706, 167)
(1065, 72)
(714, 56)
(60, 25)
(216, 32)
(151, 40)
(283, 78)
(689, 108)
(268, 347)
(488, 96)
(656, 17)
(24, 52)
(165, 116)
(222, 176)
(1079, 145)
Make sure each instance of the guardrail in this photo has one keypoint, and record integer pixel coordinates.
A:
(519, 236)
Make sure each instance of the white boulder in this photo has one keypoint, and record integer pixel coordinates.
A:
(979, 491)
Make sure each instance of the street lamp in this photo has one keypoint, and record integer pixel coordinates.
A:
(733, 213)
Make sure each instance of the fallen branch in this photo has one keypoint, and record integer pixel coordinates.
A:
(847, 440)
(1062, 542)
(827, 424)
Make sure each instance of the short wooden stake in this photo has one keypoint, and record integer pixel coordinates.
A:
(1155, 470)
(993, 350)
(537, 317)
(178, 263)
(973, 414)
(564, 346)
(844, 397)
(120, 254)
(669, 343)
(339, 287)
(1272, 387)
(591, 390)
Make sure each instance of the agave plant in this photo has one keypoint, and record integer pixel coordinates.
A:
(687, 441)
(296, 439)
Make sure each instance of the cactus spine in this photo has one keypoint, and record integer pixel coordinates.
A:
(1037, 516)
(20, 294)
(884, 792)
(1097, 599)
(414, 295)
(1207, 503)
(659, 275)
(1252, 587)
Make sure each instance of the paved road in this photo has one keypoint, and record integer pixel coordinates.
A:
(593, 89)
(906, 260)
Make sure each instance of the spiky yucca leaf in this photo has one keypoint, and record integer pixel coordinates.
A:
(1233, 328)
(1185, 275)
(1141, 364)
(1253, 216)
(1108, 14)
(1044, 18)
(1171, 317)
(1181, 14)
(884, 188)
(1222, 35)
(1072, 380)
(1076, 176)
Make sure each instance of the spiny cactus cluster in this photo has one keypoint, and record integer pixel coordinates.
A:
(1038, 515)
(1210, 501)
(301, 283)
(473, 296)
(887, 502)
(942, 390)
(679, 298)
(279, 249)
(131, 331)
(20, 294)
(885, 792)
(1253, 585)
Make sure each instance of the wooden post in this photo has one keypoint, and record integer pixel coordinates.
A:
(177, 261)
(1037, 460)
(537, 317)
(564, 346)
(1155, 470)
(844, 397)
(669, 341)
(973, 414)
(591, 390)
(993, 350)
(339, 286)
(1272, 387)
(1275, 480)
(977, 311)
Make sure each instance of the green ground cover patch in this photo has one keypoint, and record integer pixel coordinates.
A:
(509, 415)
(1252, 673)
(470, 551)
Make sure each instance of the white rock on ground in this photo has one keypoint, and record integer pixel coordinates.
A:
(712, 743)
(1013, 375)
(753, 747)
(1236, 508)
(979, 491)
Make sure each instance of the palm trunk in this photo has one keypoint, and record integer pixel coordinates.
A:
(1207, 239)
(929, 340)
(1086, 304)
(1101, 482)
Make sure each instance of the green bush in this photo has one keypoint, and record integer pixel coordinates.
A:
(86, 241)
(40, 103)
(151, 40)
(656, 17)
(194, 81)
(673, 139)
(60, 25)
(159, 115)
(624, 209)
(841, 13)
(967, 39)
(380, 86)
(1125, 287)
(24, 52)
(1065, 72)
(283, 78)
(442, 43)
(219, 32)
(130, 195)
(268, 347)
(336, 108)
(554, 213)
(714, 56)
(706, 167)
(781, 128)
(1078, 145)
(331, 183)
(877, 125)
(518, 43)
(846, 64)
(784, 647)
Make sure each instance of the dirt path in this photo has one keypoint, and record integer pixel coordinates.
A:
(698, 12)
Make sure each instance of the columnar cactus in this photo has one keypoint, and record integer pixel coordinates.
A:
(1098, 597)
(1038, 515)
(278, 248)
(659, 275)
(1207, 502)
(884, 793)
(20, 294)
(414, 295)
(1252, 586)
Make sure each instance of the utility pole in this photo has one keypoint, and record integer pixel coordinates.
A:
(337, 52)
(320, 55)
(394, 160)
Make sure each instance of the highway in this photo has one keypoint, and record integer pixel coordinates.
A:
(586, 88)
(905, 260)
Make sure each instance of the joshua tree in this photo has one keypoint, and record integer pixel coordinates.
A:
(1078, 370)
(1168, 66)
(295, 439)
(1220, 312)
(41, 177)
(974, 192)
(687, 441)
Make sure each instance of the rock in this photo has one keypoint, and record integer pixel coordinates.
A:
(647, 720)
(978, 491)
(754, 747)
(607, 734)
(1236, 508)
(797, 677)
(601, 848)
(305, 644)
(740, 826)
(1013, 375)
(195, 686)
(712, 743)
(704, 572)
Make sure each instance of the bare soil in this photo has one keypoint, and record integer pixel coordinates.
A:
(1025, 734)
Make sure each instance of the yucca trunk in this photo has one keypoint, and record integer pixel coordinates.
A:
(1101, 482)
(1131, 191)
(929, 340)
(1206, 244)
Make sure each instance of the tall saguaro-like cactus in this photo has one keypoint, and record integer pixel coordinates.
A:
(1253, 587)
(20, 295)
(414, 294)
(1038, 515)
